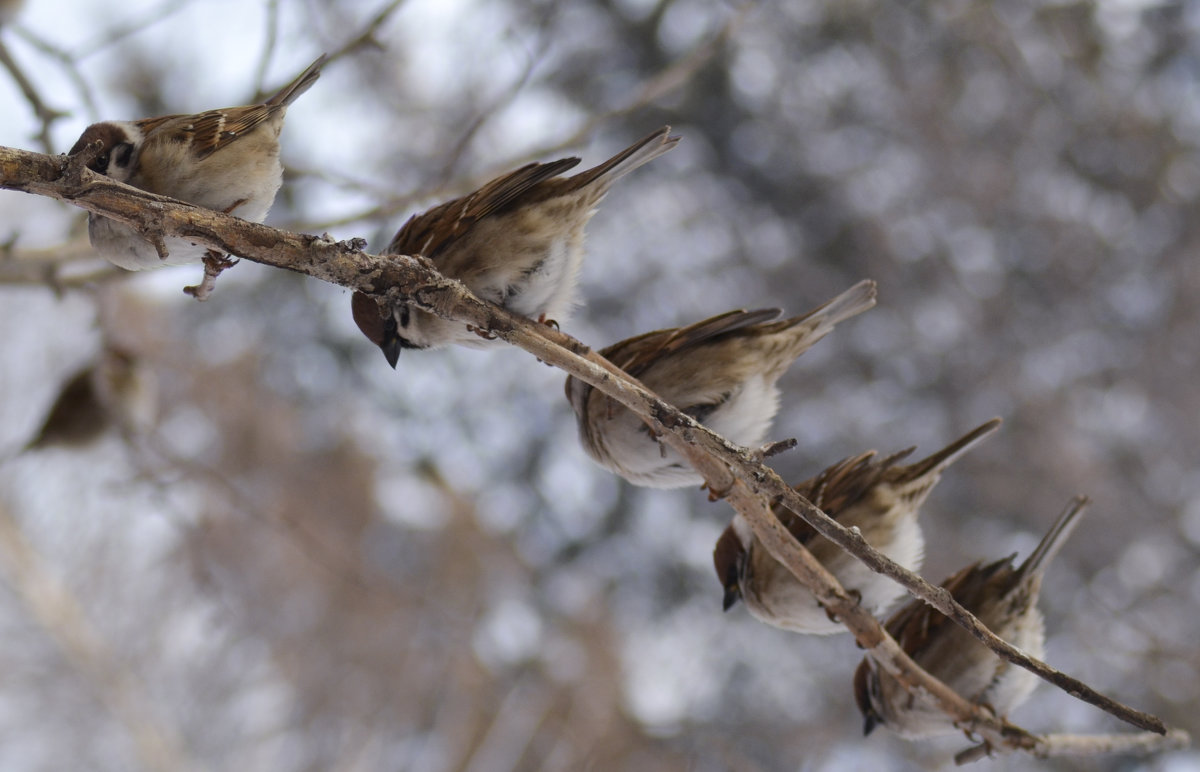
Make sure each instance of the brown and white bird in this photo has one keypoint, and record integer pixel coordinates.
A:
(226, 160)
(721, 371)
(517, 241)
(117, 390)
(880, 497)
(1005, 600)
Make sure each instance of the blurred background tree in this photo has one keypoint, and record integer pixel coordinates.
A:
(314, 562)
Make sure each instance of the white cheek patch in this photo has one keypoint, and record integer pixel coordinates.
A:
(122, 172)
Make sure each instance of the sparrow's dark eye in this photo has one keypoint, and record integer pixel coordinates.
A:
(100, 164)
(122, 153)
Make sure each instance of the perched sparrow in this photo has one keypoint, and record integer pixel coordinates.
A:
(879, 497)
(1005, 600)
(517, 241)
(118, 389)
(226, 160)
(721, 371)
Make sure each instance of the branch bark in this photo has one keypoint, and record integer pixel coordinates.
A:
(735, 472)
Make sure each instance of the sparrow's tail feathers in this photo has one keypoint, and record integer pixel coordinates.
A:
(816, 324)
(935, 463)
(302, 83)
(641, 152)
(1053, 541)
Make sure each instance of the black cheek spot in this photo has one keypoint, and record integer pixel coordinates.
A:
(405, 343)
(122, 154)
(404, 316)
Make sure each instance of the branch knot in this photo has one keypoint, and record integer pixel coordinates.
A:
(76, 165)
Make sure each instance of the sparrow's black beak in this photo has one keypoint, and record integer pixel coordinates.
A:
(732, 596)
(391, 351)
(869, 723)
(392, 343)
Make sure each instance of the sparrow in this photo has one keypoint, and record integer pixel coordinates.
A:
(517, 241)
(721, 371)
(880, 497)
(117, 389)
(1005, 600)
(226, 160)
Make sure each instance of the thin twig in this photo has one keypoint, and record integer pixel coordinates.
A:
(673, 77)
(726, 467)
(70, 67)
(268, 50)
(780, 543)
(1092, 745)
(46, 115)
(367, 36)
(853, 542)
(473, 128)
(118, 33)
(663, 83)
(49, 275)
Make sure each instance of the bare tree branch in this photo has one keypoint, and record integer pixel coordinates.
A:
(69, 65)
(367, 36)
(728, 469)
(118, 33)
(672, 77)
(46, 115)
(506, 98)
(654, 89)
(1093, 745)
(268, 49)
